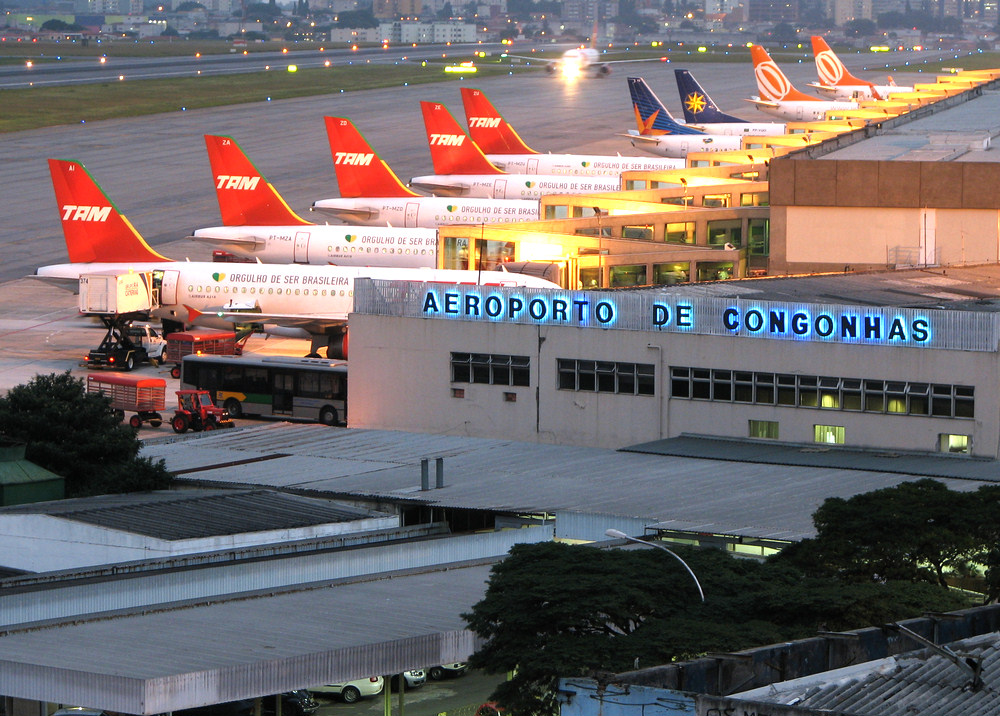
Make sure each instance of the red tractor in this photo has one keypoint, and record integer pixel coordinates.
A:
(196, 411)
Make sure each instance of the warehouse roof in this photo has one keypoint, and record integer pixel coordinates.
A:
(175, 516)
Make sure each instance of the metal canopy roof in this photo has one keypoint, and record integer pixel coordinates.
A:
(739, 498)
(188, 654)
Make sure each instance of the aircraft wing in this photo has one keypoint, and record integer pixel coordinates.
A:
(248, 242)
(763, 102)
(311, 322)
(437, 188)
(351, 216)
(67, 284)
(642, 138)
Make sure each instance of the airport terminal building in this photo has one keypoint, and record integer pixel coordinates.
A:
(901, 367)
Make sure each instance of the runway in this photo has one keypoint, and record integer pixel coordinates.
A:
(155, 169)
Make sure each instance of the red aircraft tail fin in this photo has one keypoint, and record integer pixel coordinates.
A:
(94, 229)
(452, 152)
(360, 172)
(245, 196)
(488, 129)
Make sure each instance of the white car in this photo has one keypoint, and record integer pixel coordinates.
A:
(444, 671)
(351, 691)
(412, 679)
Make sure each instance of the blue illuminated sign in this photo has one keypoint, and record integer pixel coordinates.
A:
(700, 315)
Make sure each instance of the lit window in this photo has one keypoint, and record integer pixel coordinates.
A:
(954, 443)
(831, 434)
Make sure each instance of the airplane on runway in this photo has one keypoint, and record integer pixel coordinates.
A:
(463, 170)
(779, 98)
(297, 301)
(837, 82)
(580, 60)
(371, 194)
(701, 112)
(258, 223)
(507, 151)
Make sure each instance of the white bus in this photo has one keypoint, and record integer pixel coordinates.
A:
(312, 389)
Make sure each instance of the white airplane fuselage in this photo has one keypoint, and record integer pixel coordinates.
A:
(426, 211)
(320, 244)
(579, 164)
(740, 129)
(678, 145)
(317, 296)
(859, 92)
(513, 186)
(801, 110)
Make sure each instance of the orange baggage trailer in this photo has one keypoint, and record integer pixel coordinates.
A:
(132, 393)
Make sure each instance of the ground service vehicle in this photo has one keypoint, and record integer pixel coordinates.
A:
(220, 343)
(300, 388)
(127, 345)
(144, 396)
(196, 411)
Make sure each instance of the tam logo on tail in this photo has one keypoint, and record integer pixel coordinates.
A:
(446, 140)
(356, 159)
(73, 212)
(483, 122)
(226, 181)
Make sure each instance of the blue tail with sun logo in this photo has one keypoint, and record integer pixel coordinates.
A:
(650, 114)
(698, 106)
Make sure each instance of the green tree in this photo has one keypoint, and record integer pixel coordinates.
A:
(784, 32)
(356, 18)
(554, 610)
(189, 5)
(860, 28)
(77, 436)
(916, 531)
(61, 26)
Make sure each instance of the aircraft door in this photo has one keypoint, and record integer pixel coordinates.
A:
(168, 288)
(532, 167)
(412, 210)
(301, 251)
(500, 189)
(800, 112)
(282, 393)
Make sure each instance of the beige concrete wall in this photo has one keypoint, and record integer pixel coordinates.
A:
(400, 379)
(829, 238)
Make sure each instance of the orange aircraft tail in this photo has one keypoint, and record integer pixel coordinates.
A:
(452, 152)
(360, 172)
(488, 129)
(831, 70)
(94, 229)
(771, 81)
(245, 196)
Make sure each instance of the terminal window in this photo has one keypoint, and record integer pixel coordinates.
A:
(954, 443)
(833, 434)
(490, 369)
(824, 392)
(764, 429)
(606, 376)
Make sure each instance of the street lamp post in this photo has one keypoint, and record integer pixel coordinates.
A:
(618, 534)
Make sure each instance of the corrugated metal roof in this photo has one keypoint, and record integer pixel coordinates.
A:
(187, 515)
(744, 498)
(162, 659)
(924, 682)
(910, 464)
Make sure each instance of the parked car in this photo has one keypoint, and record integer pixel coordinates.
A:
(412, 679)
(293, 703)
(447, 671)
(351, 691)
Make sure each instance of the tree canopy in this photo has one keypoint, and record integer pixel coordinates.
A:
(77, 436)
(553, 610)
(57, 25)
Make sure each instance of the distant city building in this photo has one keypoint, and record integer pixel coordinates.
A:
(721, 7)
(844, 11)
(773, 11)
(358, 34)
(233, 27)
(394, 9)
